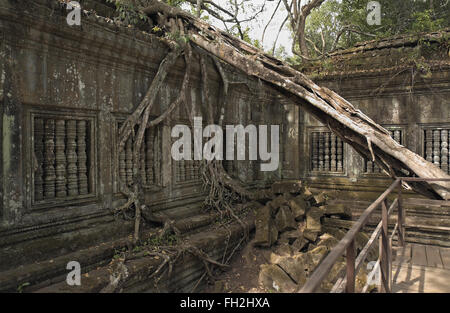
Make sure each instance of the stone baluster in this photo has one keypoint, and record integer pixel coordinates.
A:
(429, 145)
(398, 136)
(122, 167)
(321, 151)
(340, 156)
(149, 153)
(333, 153)
(157, 167)
(327, 152)
(39, 155)
(444, 150)
(71, 146)
(129, 161)
(142, 167)
(437, 147)
(49, 163)
(82, 158)
(315, 151)
(60, 145)
(181, 171)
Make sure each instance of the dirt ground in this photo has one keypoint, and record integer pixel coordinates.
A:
(242, 276)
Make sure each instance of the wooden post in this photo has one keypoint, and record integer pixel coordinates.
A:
(351, 256)
(401, 218)
(384, 250)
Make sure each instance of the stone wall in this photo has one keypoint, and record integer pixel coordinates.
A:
(378, 78)
(64, 91)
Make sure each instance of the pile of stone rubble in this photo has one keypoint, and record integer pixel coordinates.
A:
(290, 227)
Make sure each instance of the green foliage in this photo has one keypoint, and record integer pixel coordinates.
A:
(397, 17)
(128, 12)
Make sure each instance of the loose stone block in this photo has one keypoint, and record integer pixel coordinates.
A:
(320, 199)
(278, 202)
(266, 231)
(273, 278)
(313, 219)
(310, 235)
(298, 206)
(328, 241)
(340, 210)
(294, 266)
(287, 187)
(285, 220)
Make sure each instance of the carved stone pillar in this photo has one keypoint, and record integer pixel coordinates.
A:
(327, 152)
(340, 155)
(444, 150)
(333, 163)
(129, 161)
(321, 149)
(49, 163)
(429, 145)
(39, 155)
(149, 141)
(60, 145)
(82, 158)
(436, 147)
(72, 177)
(315, 151)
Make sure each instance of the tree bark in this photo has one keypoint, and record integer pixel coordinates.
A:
(347, 122)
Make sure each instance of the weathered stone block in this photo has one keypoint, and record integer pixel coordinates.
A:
(266, 232)
(298, 206)
(276, 203)
(310, 235)
(340, 210)
(285, 220)
(287, 187)
(318, 200)
(313, 218)
(299, 244)
(328, 241)
(294, 266)
(273, 278)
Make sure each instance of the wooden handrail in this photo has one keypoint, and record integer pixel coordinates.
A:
(348, 242)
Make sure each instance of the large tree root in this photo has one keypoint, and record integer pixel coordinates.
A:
(350, 124)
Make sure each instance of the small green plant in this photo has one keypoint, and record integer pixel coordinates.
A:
(21, 286)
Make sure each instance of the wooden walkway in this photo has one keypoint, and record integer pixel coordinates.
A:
(421, 269)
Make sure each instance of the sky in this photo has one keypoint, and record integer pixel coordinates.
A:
(257, 26)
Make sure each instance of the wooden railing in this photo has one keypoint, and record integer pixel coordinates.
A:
(347, 244)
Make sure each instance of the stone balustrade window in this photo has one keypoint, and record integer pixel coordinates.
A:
(371, 167)
(436, 147)
(327, 153)
(62, 158)
(150, 159)
(187, 170)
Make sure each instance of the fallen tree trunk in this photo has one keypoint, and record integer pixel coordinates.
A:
(350, 124)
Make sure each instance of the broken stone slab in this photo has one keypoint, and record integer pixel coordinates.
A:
(276, 203)
(313, 218)
(328, 241)
(291, 236)
(299, 244)
(314, 257)
(284, 249)
(339, 209)
(294, 266)
(319, 200)
(307, 194)
(335, 232)
(265, 230)
(298, 206)
(292, 186)
(311, 235)
(273, 278)
(285, 219)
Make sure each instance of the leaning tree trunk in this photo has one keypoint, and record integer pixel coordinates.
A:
(350, 124)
